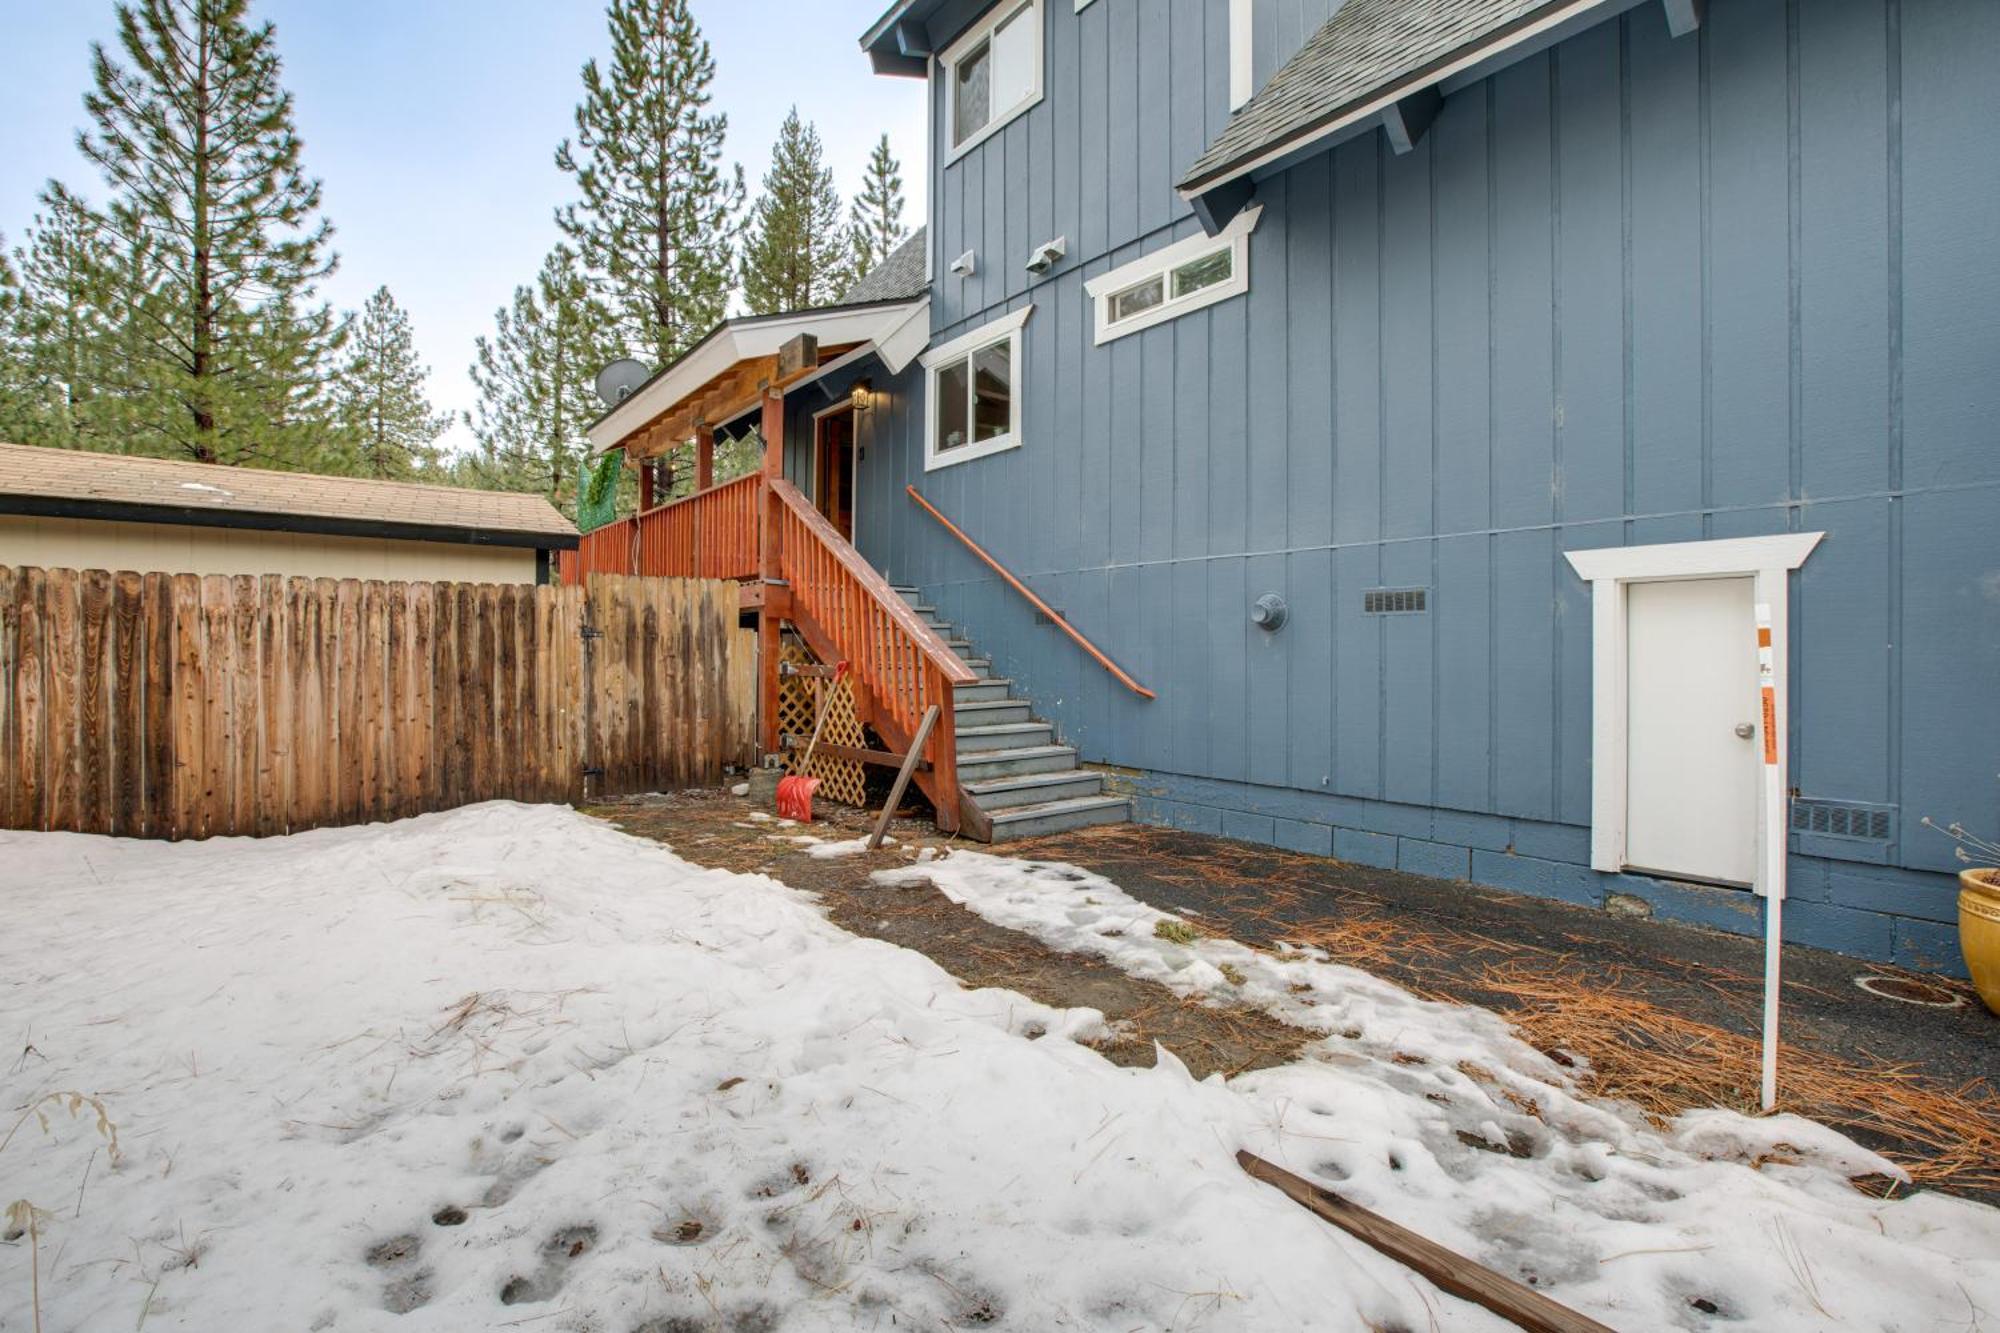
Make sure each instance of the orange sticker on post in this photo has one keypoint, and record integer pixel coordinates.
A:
(1770, 725)
(1767, 683)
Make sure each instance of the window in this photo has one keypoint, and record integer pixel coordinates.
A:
(973, 407)
(994, 72)
(1169, 283)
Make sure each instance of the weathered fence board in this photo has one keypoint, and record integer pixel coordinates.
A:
(178, 706)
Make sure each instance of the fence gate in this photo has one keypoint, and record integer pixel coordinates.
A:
(186, 706)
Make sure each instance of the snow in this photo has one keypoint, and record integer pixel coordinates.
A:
(1584, 1198)
(508, 1065)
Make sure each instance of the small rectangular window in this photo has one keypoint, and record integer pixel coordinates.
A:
(1137, 299)
(995, 73)
(974, 393)
(1173, 281)
(1204, 272)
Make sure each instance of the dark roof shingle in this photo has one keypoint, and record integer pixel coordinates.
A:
(1368, 46)
(900, 277)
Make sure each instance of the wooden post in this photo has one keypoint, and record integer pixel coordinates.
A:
(704, 457)
(646, 470)
(772, 425)
(910, 762)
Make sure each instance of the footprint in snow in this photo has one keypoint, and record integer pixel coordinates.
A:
(559, 1251)
(408, 1288)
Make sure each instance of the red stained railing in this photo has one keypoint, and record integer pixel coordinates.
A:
(711, 535)
(899, 659)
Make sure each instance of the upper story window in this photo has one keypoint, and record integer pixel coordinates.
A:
(994, 72)
(1174, 281)
(973, 404)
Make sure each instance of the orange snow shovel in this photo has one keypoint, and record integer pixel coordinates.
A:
(795, 793)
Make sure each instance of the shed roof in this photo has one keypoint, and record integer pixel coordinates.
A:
(1368, 51)
(73, 483)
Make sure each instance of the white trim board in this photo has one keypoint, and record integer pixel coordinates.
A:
(1609, 570)
(1002, 116)
(1235, 237)
(1007, 327)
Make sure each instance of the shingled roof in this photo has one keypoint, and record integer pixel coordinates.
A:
(68, 482)
(1368, 51)
(900, 277)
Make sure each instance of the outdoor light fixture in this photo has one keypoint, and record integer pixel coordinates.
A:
(864, 395)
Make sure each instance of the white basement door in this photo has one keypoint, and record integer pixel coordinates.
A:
(1692, 747)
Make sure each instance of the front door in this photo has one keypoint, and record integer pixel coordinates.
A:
(833, 474)
(1692, 744)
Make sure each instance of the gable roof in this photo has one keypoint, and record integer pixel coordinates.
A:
(899, 277)
(1370, 53)
(76, 484)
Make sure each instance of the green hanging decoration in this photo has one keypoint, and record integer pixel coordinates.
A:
(597, 500)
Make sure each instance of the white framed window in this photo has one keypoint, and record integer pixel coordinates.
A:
(972, 399)
(992, 74)
(1169, 283)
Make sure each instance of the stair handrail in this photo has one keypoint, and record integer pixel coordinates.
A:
(926, 638)
(1097, 654)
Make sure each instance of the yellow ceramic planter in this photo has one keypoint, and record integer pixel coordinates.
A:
(1979, 931)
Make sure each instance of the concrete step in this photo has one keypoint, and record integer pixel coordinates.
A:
(1004, 736)
(982, 667)
(965, 648)
(985, 691)
(987, 712)
(984, 765)
(1035, 788)
(910, 595)
(1035, 821)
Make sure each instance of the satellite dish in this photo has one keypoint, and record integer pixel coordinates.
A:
(617, 381)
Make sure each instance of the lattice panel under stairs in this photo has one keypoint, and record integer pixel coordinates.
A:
(841, 781)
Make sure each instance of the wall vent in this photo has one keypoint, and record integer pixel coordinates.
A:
(1044, 618)
(1395, 601)
(1855, 820)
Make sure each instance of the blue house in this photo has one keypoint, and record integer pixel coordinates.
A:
(1382, 429)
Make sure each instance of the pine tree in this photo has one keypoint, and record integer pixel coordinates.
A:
(657, 219)
(797, 255)
(534, 378)
(57, 345)
(878, 210)
(216, 239)
(386, 418)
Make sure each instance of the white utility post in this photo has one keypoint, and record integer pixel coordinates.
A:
(1771, 875)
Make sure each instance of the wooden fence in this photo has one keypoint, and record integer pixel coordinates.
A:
(184, 706)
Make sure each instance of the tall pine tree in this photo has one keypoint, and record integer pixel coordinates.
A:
(657, 218)
(385, 417)
(797, 254)
(878, 210)
(215, 236)
(534, 377)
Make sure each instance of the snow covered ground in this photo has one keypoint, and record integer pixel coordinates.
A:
(509, 1067)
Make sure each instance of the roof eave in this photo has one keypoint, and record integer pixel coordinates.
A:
(1207, 191)
(262, 520)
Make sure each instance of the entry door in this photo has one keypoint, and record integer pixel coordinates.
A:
(1692, 744)
(833, 484)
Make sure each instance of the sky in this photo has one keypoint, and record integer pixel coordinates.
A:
(433, 126)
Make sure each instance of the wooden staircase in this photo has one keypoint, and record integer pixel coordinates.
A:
(1022, 783)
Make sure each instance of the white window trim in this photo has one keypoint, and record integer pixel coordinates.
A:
(1082, 5)
(1008, 327)
(1235, 236)
(948, 62)
(1609, 571)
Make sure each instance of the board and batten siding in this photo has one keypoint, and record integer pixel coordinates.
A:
(1629, 290)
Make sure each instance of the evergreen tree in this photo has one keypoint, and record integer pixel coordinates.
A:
(878, 210)
(798, 254)
(214, 239)
(534, 378)
(57, 346)
(385, 416)
(656, 219)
